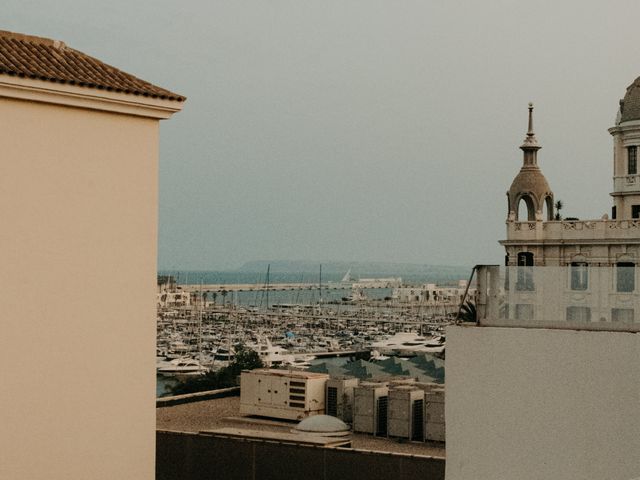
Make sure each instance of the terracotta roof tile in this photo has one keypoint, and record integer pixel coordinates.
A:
(52, 60)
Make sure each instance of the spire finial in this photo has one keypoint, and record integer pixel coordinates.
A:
(530, 141)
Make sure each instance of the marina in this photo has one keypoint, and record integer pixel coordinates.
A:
(295, 326)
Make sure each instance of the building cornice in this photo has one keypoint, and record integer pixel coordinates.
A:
(586, 241)
(81, 97)
(624, 194)
(625, 127)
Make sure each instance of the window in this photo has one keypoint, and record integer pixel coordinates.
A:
(579, 276)
(632, 160)
(625, 277)
(525, 259)
(578, 314)
(524, 281)
(524, 311)
(622, 315)
(613, 213)
(635, 211)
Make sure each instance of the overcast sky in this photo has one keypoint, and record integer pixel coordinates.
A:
(360, 130)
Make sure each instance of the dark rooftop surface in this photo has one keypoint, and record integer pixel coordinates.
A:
(51, 60)
(225, 412)
(631, 102)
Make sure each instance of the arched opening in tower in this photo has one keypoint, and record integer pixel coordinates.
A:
(547, 205)
(526, 209)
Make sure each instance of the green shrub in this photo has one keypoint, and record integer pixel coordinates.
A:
(245, 359)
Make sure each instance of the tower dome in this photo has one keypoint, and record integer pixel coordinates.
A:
(630, 105)
(530, 185)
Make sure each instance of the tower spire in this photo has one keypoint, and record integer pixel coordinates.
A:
(530, 145)
(530, 185)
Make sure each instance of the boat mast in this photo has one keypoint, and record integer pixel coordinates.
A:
(200, 323)
(266, 285)
(320, 286)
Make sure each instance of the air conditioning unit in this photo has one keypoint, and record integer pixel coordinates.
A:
(286, 394)
(406, 412)
(429, 386)
(434, 421)
(370, 408)
(339, 398)
(397, 381)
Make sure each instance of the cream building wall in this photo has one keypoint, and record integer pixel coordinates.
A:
(78, 236)
(533, 404)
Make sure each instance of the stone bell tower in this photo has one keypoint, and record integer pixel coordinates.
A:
(530, 185)
(525, 244)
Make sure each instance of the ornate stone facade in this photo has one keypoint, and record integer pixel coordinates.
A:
(543, 240)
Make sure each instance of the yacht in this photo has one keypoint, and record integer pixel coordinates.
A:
(224, 354)
(182, 366)
(357, 295)
(271, 355)
(408, 343)
(301, 362)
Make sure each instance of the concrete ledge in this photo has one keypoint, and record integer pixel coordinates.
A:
(197, 397)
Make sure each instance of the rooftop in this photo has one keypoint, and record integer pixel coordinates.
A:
(225, 412)
(50, 60)
(288, 373)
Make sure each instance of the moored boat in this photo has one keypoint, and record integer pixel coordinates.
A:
(182, 366)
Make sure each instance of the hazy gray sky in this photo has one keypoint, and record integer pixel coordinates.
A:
(360, 130)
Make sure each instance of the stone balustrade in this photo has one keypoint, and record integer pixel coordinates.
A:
(574, 230)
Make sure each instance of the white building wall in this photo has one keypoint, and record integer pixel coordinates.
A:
(542, 404)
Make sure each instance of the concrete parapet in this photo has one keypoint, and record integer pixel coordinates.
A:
(197, 397)
(187, 456)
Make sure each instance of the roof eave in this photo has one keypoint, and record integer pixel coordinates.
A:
(35, 90)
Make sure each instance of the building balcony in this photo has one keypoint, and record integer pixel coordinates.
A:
(569, 230)
(626, 184)
(575, 297)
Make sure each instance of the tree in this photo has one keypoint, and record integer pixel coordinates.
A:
(245, 359)
(468, 312)
(558, 207)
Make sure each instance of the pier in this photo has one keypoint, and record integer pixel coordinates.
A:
(273, 287)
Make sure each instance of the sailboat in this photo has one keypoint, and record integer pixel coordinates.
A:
(347, 277)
